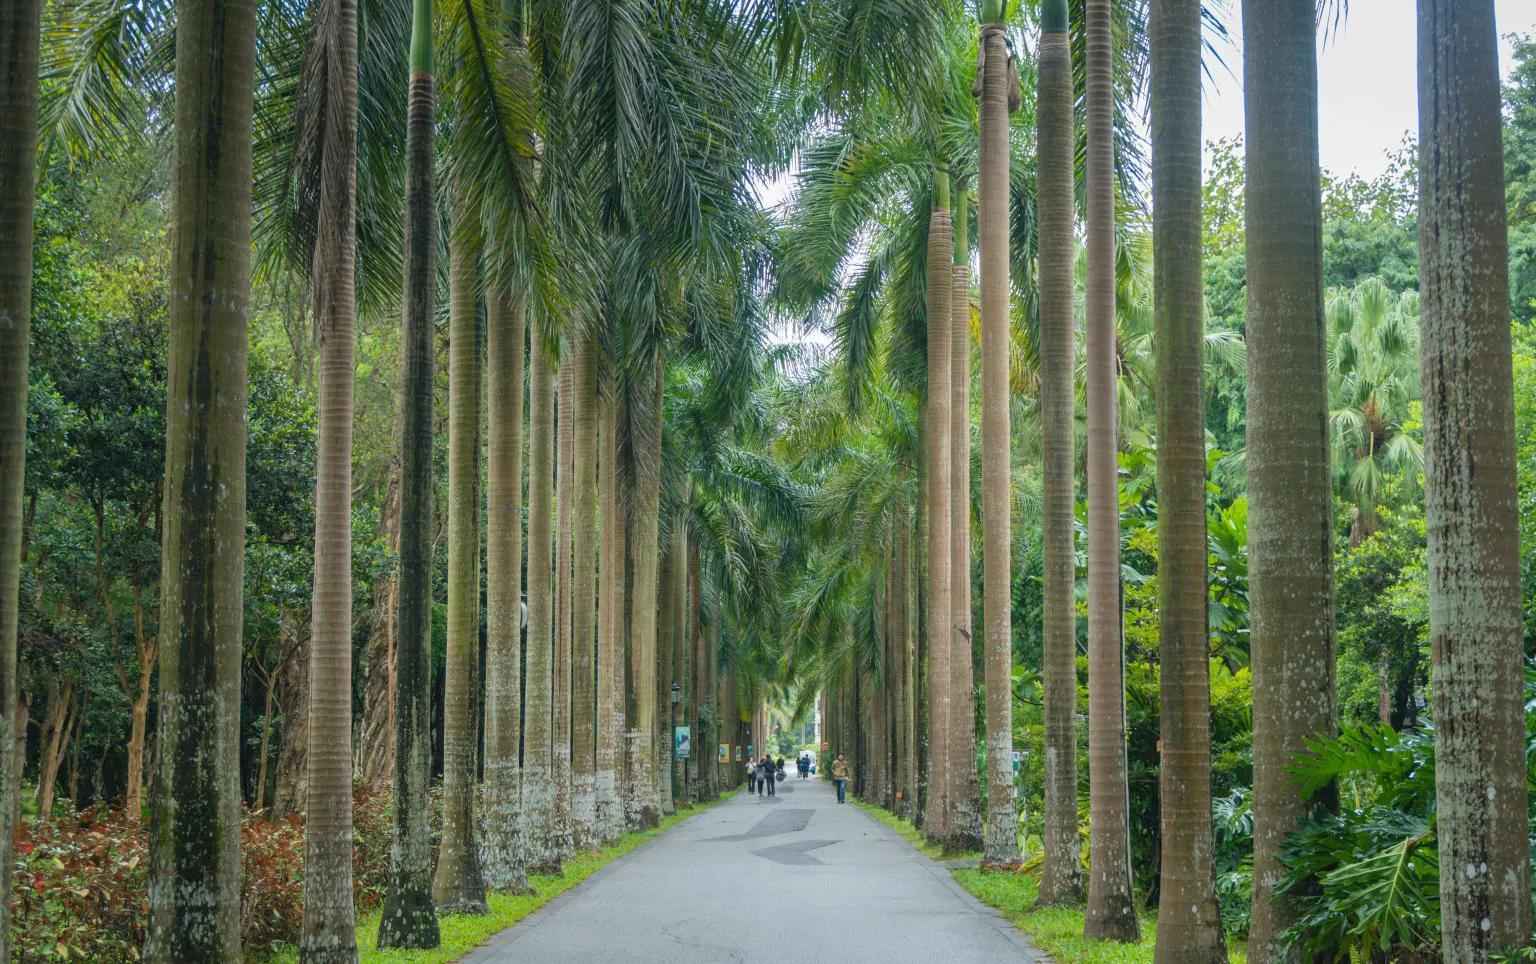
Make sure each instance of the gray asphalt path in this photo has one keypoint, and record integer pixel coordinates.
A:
(788, 879)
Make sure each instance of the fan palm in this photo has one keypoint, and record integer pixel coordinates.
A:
(1373, 381)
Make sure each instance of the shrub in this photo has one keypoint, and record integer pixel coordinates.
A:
(81, 883)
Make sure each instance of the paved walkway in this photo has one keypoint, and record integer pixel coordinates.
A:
(795, 878)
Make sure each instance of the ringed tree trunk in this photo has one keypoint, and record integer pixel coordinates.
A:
(998, 82)
(937, 424)
(1290, 522)
(1189, 921)
(565, 444)
(662, 732)
(503, 856)
(19, 39)
(194, 903)
(610, 665)
(677, 610)
(538, 738)
(902, 693)
(409, 919)
(965, 788)
(378, 727)
(583, 534)
(646, 429)
(1062, 875)
(330, 920)
(1111, 904)
(458, 887)
(1470, 494)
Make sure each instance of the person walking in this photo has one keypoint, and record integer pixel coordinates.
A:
(751, 777)
(840, 777)
(804, 766)
(765, 776)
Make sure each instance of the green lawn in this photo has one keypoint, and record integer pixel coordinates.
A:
(463, 933)
(1058, 931)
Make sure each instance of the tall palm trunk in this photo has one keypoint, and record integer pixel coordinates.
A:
(965, 788)
(901, 592)
(409, 919)
(458, 885)
(1189, 923)
(665, 644)
(539, 734)
(194, 906)
(646, 429)
(1290, 528)
(1001, 837)
(504, 853)
(1062, 875)
(610, 668)
(565, 444)
(1111, 909)
(583, 522)
(19, 38)
(941, 624)
(677, 617)
(707, 737)
(1470, 495)
(330, 924)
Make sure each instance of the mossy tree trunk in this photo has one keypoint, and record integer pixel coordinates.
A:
(194, 902)
(1290, 521)
(1470, 494)
(19, 39)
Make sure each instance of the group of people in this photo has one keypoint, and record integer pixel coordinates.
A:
(763, 776)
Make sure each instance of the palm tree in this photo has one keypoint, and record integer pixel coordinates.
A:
(194, 912)
(458, 885)
(1061, 881)
(19, 32)
(539, 734)
(330, 926)
(1373, 381)
(409, 919)
(562, 823)
(998, 83)
(582, 525)
(610, 671)
(1189, 922)
(504, 853)
(965, 791)
(937, 431)
(645, 429)
(1111, 910)
(1290, 500)
(1474, 551)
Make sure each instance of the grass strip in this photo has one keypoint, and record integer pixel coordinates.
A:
(462, 933)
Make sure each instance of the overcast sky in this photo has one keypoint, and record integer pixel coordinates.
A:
(1367, 86)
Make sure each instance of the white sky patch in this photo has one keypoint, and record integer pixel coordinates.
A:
(1367, 80)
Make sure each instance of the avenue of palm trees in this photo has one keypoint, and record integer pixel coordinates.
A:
(929, 450)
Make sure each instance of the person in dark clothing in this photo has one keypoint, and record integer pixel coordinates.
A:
(804, 766)
(765, 777)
